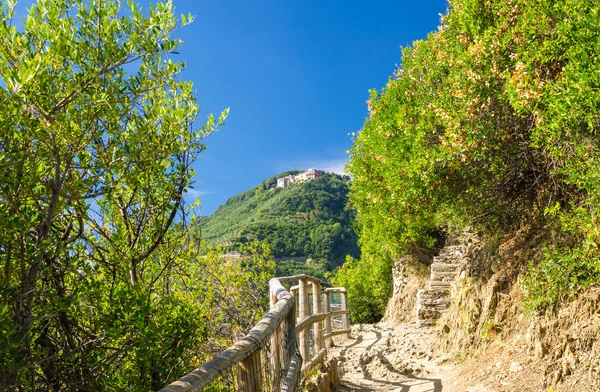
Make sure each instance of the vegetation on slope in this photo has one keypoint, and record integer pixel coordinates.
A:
(492, 121)
(309, 219)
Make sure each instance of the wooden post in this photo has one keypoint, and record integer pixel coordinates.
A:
(250, 373)
(326, 310)
(317, 309)
(294, 291)
(345, 317)
(275, 356)
(291, 344)
(293, 361)
(303, 310)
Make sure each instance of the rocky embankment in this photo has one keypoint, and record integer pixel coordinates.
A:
(459, 326)
(469, 332)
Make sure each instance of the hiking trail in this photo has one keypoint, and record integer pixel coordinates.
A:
(378, 357)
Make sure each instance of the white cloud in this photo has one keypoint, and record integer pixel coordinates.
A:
(195, 193)
(333, 166)
(329, 165)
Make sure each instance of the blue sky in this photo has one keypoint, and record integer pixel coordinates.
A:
(296, 76)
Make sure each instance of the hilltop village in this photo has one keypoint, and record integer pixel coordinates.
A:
(308, 175)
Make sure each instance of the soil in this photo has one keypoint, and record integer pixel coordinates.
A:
(379, 357)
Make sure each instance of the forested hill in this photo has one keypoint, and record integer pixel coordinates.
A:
(309, 219)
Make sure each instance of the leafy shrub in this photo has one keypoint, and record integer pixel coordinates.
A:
(369, 285)
(490, 120)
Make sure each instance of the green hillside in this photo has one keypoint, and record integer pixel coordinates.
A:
(303, 220)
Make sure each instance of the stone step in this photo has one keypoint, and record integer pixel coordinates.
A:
(431, 294)
(444, 267)
(440, 304)
(443, 277)
(447, 259)
(428, 317)
(452, 249)
(441, 291)
(437, 302)
(433, 301)
(443, 273)
(431, 312)
(439, 283)
(448, 271)
(426, 323)
(446, 292)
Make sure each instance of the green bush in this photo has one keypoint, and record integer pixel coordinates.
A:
(369, 285)
(492, 119)
(560, 275)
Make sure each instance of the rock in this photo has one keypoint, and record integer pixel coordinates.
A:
(540, 349)
(327, 380)
(365, 359)
(515, 367)
(479, 388)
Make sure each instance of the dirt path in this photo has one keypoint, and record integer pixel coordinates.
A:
(381, 358)
(377, 357)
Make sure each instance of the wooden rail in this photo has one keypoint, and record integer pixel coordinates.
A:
(291, 338)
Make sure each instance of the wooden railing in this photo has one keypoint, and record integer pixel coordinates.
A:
(269, 357)
(318, 316)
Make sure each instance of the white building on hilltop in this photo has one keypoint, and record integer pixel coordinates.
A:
(308, 175)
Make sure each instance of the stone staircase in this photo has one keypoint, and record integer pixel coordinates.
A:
(433, 300)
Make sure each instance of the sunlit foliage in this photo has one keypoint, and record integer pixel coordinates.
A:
(101, 283)
(491, 121)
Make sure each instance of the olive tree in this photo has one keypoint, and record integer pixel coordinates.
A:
(97, 138)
